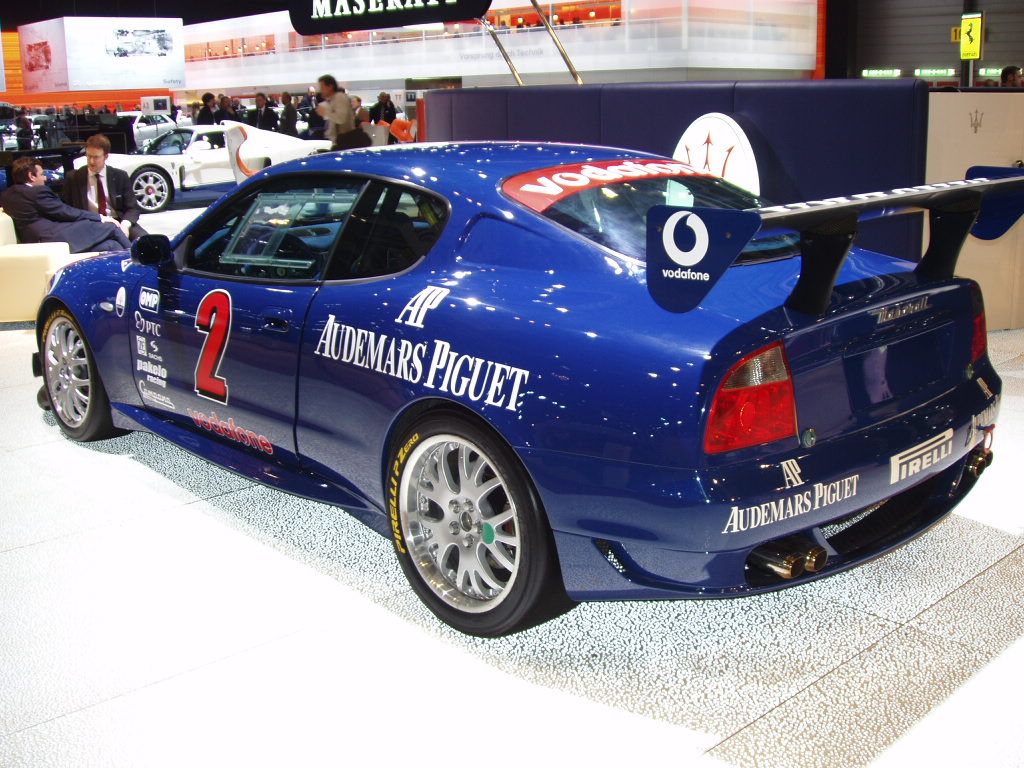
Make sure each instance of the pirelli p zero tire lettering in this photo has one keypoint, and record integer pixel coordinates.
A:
(469, 531)
(72, 382)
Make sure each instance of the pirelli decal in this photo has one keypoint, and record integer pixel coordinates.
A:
(910, 462)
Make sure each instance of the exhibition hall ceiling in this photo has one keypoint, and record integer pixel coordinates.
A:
(191, 11)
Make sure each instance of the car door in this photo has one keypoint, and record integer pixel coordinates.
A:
(368, 343)
(217, 341)
(206, 160)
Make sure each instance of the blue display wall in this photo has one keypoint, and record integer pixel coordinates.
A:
(812, 139)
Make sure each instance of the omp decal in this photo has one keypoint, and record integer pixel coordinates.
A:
(228, 429)
(433, 364)
(213, 319)
(923, 455)
(149, 299)
(540, 189)
(424, 301)
(819, 496)
(792, 474)
(393, 481)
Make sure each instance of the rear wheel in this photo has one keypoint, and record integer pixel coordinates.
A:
(73, 386)
(153, 189)
(469, 531)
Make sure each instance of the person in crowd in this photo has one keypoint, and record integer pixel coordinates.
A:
(40, 217)
(362, 114)
(309, 101)
(336, 109)
(226, 111)
(289, 115)
(23, 129)
(1010, 77)
(384, 110)
(263, 117)
(205, 116)
(315, 124)
(102, 189)
(240, 110)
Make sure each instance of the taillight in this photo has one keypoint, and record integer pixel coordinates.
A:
(979, 338)
(754, 404)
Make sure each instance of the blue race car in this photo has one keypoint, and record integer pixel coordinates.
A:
(552, 373)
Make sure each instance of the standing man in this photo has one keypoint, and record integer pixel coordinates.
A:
(336, 109)
(23, 129)
(289, 116)
(40, 217)
(1010, 77)
(226, 111)
(263, 117)
(205, 116)
(384, 110)
(102, 189)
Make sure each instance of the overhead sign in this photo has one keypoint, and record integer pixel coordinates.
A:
(315, 17)
(971, 32)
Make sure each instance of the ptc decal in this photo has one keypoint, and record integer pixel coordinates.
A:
(689, 249)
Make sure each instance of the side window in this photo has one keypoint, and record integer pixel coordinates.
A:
(277, 235)
(391, 230)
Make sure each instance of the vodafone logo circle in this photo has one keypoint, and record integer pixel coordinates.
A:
(699, 250)
(714, 143)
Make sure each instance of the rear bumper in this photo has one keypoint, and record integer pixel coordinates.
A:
(628, 531)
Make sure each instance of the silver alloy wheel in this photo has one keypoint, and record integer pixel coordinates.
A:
(461, 522)
(67, 373)
(151, 190)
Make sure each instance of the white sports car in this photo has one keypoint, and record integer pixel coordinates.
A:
(198, 156)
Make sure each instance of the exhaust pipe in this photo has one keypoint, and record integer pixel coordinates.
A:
(978, 462)
(789, 558)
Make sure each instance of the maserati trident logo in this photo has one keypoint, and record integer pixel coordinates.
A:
(791, 473)
(976, 118)
(714, 143)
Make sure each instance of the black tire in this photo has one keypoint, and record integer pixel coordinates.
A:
(153, 189)
(73, 387)
(448, 480)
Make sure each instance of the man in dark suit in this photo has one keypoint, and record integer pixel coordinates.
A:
(263, 116)
(40, 217)
(112, 192)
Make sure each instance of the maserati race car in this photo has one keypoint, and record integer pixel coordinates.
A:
(197, 156)
(552, 373)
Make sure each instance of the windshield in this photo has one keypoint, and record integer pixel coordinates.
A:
(607, 202)
(172, 143)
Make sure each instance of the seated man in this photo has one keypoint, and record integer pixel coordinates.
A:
(113, 189)
(40, 217)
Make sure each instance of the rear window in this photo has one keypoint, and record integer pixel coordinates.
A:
(607, 201)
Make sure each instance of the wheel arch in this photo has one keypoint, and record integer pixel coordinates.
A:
(437, 406)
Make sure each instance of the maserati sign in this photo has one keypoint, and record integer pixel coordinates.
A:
(314, 17)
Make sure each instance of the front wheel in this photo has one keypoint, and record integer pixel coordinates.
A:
(153, 189)
(469, 530)
(73, 385)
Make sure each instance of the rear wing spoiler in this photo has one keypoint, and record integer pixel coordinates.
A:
(683, 266)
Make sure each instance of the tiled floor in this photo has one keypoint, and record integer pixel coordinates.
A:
(157, 611)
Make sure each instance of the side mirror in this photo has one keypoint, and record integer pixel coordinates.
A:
(152, 249)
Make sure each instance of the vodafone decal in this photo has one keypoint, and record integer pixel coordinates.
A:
(540, 189)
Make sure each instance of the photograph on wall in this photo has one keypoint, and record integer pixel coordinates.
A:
(43, 57)
(105, 53)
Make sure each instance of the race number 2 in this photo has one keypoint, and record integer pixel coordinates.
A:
(213, 318)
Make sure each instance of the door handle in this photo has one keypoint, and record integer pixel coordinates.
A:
(277, 319)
